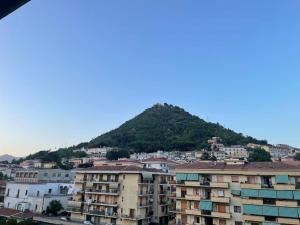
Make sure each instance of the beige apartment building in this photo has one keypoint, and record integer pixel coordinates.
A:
(122, 194)
(237, 193)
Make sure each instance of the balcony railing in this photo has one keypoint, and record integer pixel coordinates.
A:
(111, 191)
(135, 217)
(101, 213)
(102, 203)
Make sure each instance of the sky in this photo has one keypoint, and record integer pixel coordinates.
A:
(72, 70)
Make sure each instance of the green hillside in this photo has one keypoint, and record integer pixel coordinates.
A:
(167, 127)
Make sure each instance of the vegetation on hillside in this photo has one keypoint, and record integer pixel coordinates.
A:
(4, 221)
(167, 127)
(161, 127)
(259, 155)
(55, 156)
(297, 156)
(117, 154)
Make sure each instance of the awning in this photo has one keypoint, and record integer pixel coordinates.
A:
(285, 194)
(192, 176)
(147, 176)
(282, 179)
(206, 205)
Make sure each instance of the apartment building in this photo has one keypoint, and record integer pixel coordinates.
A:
(36, 197)
(237, 193)
(2, 192)
(235, 151)
(44, 175)
(122, 194)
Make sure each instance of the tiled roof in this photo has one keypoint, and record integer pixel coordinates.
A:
(252, 166)
(124, 168)
(3, 183)
(158, 159)
(6, 212)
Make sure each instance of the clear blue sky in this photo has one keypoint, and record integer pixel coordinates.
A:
(71, 70)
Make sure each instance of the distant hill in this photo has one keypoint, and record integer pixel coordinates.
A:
(7, 158)
(167, 127)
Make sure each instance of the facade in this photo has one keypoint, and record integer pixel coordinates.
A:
(35, 197)
(122, 194)
(235, 152)
(220, 155)
(161, 163)
(238, 193)
(2, 192)
(44, 175)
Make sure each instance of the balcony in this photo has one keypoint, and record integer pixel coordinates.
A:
(134, 217)
(101, 213)
(113, 204)
(192, 183)
(219, 184)
(286, 203)
(144, 193)
(250, 186)
(103, 192)
(220, 199)
(102, 181)
(74, 209)
(252, 201)
(144, 205)
(192, 197)
(253, 218)
(224, 215)
(288, 221)
(284, 186)
(195, 212)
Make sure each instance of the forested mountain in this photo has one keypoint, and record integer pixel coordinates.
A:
(167, 127)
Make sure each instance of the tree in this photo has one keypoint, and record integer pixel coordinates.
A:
(54, 207)
(297, 156)
(26, 222)
(116, 154)
(259, 155)
(207, 156)
(11, 222)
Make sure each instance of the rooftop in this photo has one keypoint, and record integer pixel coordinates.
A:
(250, 166)
(5, 212)
(121, 168)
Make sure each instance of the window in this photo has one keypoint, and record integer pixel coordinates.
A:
(7, 194)
(67, 175)
(38, 193)
(237, 209)
(221, 193)
(58, 174)
(220, 178)
(26, 192)
(235, 179)
(197, 218)
(50, 190)
(269, 201)
(53, 174)
(124, 177)
(222, 222)
(238, 223)
(18, 193)
(270, 218)
(251, 180)
(45, 174)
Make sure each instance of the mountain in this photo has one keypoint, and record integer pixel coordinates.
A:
(167, 127)
(7, 158)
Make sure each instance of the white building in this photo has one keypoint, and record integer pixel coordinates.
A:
(36, 197)
(235, 152)
(161, 163)
(220, 155)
